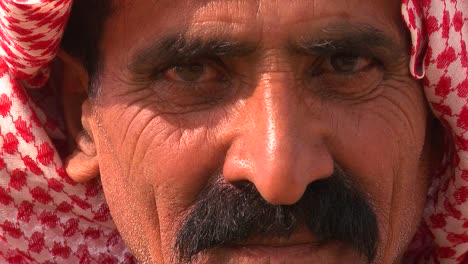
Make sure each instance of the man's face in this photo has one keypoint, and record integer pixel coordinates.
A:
(255, 105)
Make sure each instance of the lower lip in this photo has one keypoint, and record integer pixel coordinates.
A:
(277, 252)
(327, 252)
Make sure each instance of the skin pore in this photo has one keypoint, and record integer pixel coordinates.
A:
(272, 93)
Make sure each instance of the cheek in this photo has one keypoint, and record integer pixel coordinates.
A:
(382, 145)
(382, 141)
(130, 201)
(151, 172)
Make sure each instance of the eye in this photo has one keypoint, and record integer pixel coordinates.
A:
(192, 73)
(193, 85)
(345, 75)
(347, 63)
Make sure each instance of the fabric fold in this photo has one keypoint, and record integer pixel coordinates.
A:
(439, 32)
(30, 34)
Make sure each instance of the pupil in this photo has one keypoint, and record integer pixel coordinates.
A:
(344, 63)
(189, 73)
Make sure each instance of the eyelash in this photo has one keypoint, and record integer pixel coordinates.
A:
(315, 69)
(206, 94)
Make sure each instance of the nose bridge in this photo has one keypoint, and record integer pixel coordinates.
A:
(276, 150)
(274, 113)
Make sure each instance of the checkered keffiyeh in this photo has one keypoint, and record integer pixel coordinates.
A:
(44, 216)
(439, 31)
(47, 218)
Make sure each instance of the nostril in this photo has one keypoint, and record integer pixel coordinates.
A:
(242, 184)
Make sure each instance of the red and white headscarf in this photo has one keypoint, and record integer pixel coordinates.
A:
(47, 218)
(439, 56)
(44, 216)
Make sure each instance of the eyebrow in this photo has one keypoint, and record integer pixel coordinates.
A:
(177, 49)
(351, 39)
(355, 39)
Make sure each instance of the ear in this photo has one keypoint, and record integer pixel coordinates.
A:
(82, 165)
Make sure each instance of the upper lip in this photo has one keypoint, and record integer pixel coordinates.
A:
(298, 238)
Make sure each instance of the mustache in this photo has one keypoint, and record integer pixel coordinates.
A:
(334, 209)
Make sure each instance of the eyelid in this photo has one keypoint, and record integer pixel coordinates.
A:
(207, 60)
(368, 62)
(379, 57)
(317, 67)
(208, 73)
(215, 64)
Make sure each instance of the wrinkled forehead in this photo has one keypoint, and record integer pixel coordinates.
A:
(272, 12)
(261, 21)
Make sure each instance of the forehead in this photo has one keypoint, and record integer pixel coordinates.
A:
(137, 22)
(248, 11)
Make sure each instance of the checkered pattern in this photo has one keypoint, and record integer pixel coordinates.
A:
(44, 216)
(47, 218)
(30, 34)
(439, 31)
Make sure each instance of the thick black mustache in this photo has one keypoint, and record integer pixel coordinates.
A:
(333, 209)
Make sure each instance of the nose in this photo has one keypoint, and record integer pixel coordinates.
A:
(280, 144)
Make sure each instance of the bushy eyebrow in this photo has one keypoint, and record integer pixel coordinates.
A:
(178, 48)
(352, 39)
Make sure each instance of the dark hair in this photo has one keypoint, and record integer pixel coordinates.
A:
(84, 30)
